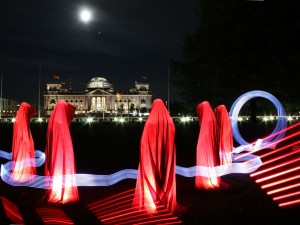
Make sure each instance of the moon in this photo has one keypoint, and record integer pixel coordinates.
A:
(85, 15)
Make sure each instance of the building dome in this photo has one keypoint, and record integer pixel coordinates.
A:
(98, 82)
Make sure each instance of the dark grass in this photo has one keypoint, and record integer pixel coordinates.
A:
(107, 147)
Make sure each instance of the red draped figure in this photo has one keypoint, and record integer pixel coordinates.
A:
(224, 138)
(156, 184)
(207, 148)
(60, 162)
(23, 145)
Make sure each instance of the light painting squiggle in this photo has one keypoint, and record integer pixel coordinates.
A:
(246, 164)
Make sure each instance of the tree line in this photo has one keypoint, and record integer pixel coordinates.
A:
(240, 46)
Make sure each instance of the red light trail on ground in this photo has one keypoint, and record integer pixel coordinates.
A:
(279, 176)
(53, 216)
(271, 144)
(117, 209)
(280, 182)
(277, 165)
(12, 212)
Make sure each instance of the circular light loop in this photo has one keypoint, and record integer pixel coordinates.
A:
(277, 133)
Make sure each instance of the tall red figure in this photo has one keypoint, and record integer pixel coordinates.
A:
(23, 145)
(224, 135)
(156, 184)
(207, 148)
(60, 162)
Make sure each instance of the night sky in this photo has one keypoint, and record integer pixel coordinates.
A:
(124, 41)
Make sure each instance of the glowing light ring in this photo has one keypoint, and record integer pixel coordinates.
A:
(246, 164)
(278, 131)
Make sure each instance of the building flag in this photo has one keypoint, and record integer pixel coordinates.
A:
(55, 76)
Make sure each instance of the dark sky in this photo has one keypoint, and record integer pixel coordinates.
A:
(125, 40)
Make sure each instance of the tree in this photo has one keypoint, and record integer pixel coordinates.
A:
(241, 46)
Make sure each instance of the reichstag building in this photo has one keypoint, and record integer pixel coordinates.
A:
(99, 97)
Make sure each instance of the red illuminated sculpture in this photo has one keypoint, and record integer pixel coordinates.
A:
(207, 148)
(224, 135)
(23, 145)
(156, 184)
(60, 162)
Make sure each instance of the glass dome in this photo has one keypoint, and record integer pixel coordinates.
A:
(98, 82)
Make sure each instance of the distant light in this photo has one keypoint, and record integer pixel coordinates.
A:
(185, 119)
(290, 118)
(271, 118)
(40, 119)
(265, 118)
(121, 120)
(13, 120)
(85, 15)
(89, 120)
(240, 118)
(140, 119)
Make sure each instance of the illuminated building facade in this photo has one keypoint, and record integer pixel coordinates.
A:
(99, 97)
(8, 107)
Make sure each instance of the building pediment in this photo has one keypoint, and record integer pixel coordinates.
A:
(98, 92)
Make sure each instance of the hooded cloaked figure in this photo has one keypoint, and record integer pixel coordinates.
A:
(23, 146)
(207, 148)
(224, 135)
(60, 162)
(156, 184)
